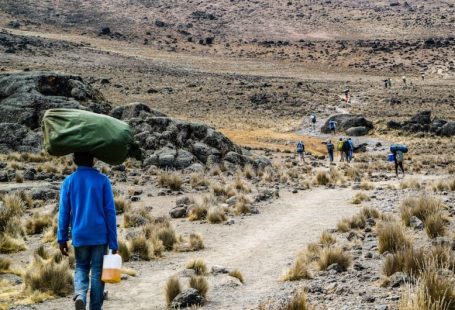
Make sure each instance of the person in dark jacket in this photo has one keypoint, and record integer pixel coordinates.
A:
(345, 149)
(330, 148)
(87, 205)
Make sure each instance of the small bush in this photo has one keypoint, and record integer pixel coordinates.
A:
(13, 207)
(420, 207)
(198, 212)
(242, 205)
(5, 264)
(141, 247)
(410, 183)
(334, 255)
(196, 242)
(200, 284)
(9, 244)
(197, 180)
(359, 198)
(38, 223)
(49, 276)
(435, 225)
(237, 274)
(366, 186)
(298, 271)
(121, 205)
(322, 178)
(19, 177)
(173, 288)
(327, 239)
(124, 251)
(137, 217)
(170, 180)
(249, 172)
(198, 265)
(216, 216)
(392, 237)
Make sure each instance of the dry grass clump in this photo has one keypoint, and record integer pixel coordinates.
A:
(249, 172)
(334, 255)
(357, 221)
(137, 217)
(408, 260)
(198, 265)
(359, 198)
(38, 223)
(143, 248)
(216, 215)
(242, 205)
(13, 207)
(370, 213)
(196, 242)
(327, 239)
(48, 276)
(162, 230)
(5, 264)
(172, 289)
(121, 204)
(299, 301)
(19, 177)
(170, 180)
(200, 284)
(366, 186)
(410, 183)
(353, 172)
(124, 251)
(200, 207)
(299, 270)
(10, 244)
(240, 185)
(237, 274)
(435, 225)
(197, 180)
(420, 207)
(217, 189)
(443, 186)
(392, 237)
(433, 291)
(322, 178)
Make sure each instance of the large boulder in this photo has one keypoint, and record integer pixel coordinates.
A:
(24, 97)
(187, 298)
(135, 109)
(448, 130)
(357, 131)
(347, 121)
(422, 118)
(17, 137)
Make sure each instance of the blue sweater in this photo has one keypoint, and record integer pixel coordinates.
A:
(87, 203)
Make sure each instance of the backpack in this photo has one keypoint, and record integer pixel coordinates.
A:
(300, 147)
(330, 147)
(399, 156)
(340, 145)
(332, 125)
(346, 146)
(313, 118)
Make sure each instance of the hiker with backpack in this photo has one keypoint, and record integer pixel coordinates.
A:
(340, 148)
(345, 150)
(330, 149)
(351, 150)
(398, 151)
(332, 126)
(313, 120)
(301, 150)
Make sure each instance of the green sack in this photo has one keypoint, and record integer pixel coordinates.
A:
(69, 130)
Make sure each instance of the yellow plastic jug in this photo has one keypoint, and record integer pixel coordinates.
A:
(112, 265)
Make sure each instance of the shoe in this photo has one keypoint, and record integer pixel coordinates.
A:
(79, 303)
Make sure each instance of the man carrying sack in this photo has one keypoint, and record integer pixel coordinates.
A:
(87, 204)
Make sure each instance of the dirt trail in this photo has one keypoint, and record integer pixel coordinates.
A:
(260, 246)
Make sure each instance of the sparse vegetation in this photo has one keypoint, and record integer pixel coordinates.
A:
(137, 217)
(38, 223)
(237, 274)
(392, 237)
(198, 265)
(216, 215)
(172, 289)
(327, 239)
(334, 255)
(298, 271)
(359, 198)
(171, 180)
(121, 205)
(201, 284)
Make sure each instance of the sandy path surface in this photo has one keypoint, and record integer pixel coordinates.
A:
(260, 246)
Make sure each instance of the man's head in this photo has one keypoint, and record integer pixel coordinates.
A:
(83, 159)
(341, 139)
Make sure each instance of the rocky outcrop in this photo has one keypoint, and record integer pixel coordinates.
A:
(422, 122)
(24, 97)
(355, 125)
(135, 109)
(17, 137)
(171, 143)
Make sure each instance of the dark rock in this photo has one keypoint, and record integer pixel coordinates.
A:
(398, 279)
(448, 130)
(14, 24)
(44, 193)
(336, 267)
(368, 298)
(4, 177)
(25, 96)
(357, 131)
(17, 137)
(105, 31)
(161, 24)
(187, 298)
(178, 212)
(346, 121)
(393, 125)
(421, 118)
(135, 109)
(219, 270)
(29, 174)
(416, 223)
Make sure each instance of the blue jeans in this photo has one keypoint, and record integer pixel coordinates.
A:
(90, 258)
(331, 156)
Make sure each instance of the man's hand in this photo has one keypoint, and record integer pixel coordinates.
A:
(114, 252)
(64, 248)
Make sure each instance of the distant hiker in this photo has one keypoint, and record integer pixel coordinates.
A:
(351, 150)
(386, 83)
(301, 150)
(340, 148)
(313, 120)
(332, 126)
(404, 80)
(330, 149)
(390, 82)
(423, 76)
(347, 97)
(345, 150)
(87, 205)
(399, 157)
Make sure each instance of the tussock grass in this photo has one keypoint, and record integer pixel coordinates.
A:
(322, 178)
(137, 217)
(435, 225)
(411, 183)
(49, 276)
(121, 205)
(19, 177)
(237, 274)
(196, 242)
(366, 186)
(200, 207)
(5, 264)
(359, 198)
(9, 244)
(124, 250)
(242, 205)
(392, 237)
(142, 247)
(249, 172)
(170, 180)
(355, 222)
(334, 255)
(13, 207)
(408, 260)
(370, 213)
(299, 301)
(163, 231)
(240, 185)
(433, 291)
(198, 265)
(200, 284)
(420, 207)
(198, 180)
(38, 223)
(299, 270)
(172, 289)
(216, 215)
(327, 239)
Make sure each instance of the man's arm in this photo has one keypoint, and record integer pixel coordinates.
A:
(111, 219)
(64, 215)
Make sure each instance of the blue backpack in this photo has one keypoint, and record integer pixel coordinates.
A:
(300, 147)
(398, 147)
